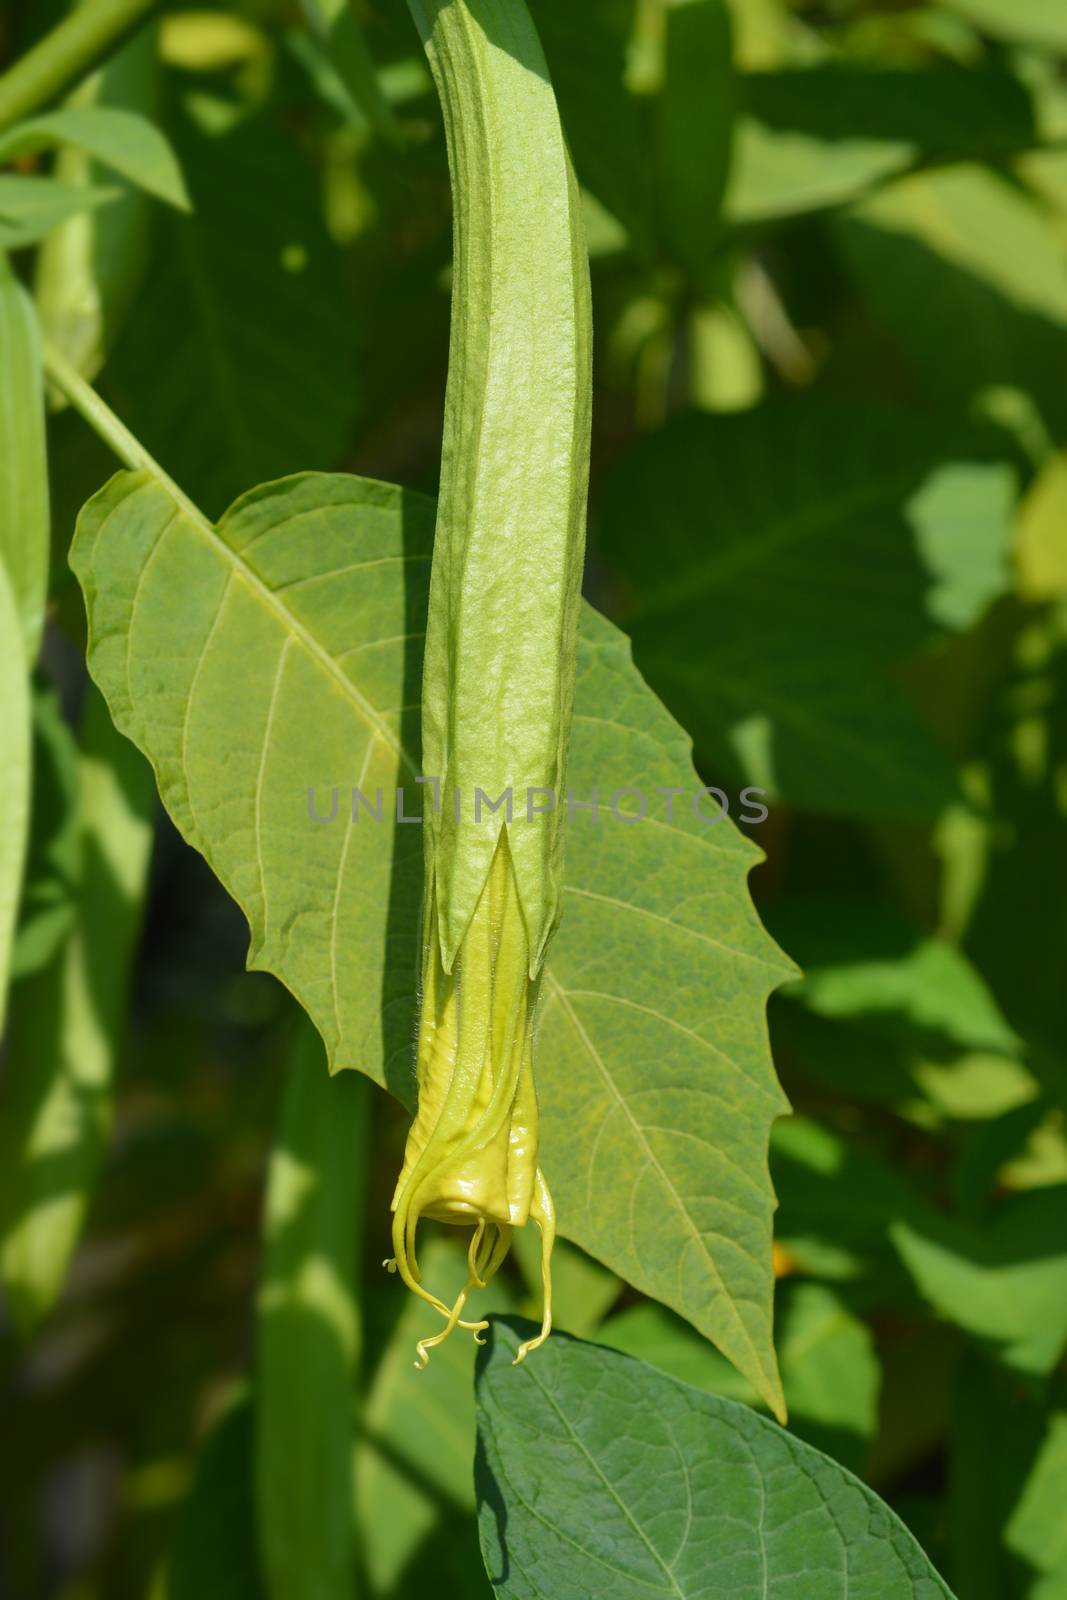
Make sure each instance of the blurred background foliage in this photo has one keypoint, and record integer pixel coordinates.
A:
(829, 505)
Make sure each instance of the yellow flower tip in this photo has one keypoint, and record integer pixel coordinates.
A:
(471, 1155)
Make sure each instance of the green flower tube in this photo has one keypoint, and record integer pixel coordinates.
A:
(498, 683)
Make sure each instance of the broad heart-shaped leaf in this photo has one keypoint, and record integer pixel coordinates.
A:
(122, 140)
(600, 1476)
(798, 551)
(270, 666)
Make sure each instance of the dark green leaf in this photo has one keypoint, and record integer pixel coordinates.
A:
(599, 1476)
(309, 1330)
(753, 613)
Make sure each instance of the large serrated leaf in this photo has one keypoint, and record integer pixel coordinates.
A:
(599, 1476)
(280, 654)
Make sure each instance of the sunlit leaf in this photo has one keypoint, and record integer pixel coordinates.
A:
(777, 563)
(818, 136)
(270, 666)
(68, 1024)
(1029, 21)
(1006, 1282)
(965, 271)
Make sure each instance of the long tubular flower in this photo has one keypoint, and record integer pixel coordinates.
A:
(498, 682)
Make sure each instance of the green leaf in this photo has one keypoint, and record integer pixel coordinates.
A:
(337, 26)
(813, 1167)
(911, 1007)
(1034, 1533)
(32, 207)
(1029, 21)
(24, 528)
(830, 1371)
(751, 616)
(606, 125)
(695, 120)
(818, 136)
(309, 1330)
(68, 1030)
(127, 143)
(89, 270)
(245, 309)
(415, 1455)
(1005, 1283)
(1042, 550)
(54, 853)
(600, 1476)
(861, 958)
(214, 1554)
(280, 654)
(15, 767)
(966, 272)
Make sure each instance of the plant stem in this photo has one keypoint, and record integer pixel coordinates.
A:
(64, 56)
(103, 421)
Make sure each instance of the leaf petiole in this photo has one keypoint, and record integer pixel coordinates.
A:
(103, 421)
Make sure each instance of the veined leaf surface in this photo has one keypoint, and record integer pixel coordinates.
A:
(275, 659)
(621, 1482)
